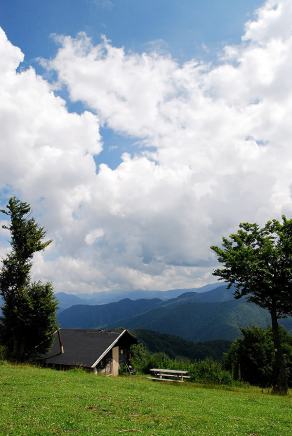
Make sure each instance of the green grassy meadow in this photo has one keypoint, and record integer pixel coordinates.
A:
(38, 401)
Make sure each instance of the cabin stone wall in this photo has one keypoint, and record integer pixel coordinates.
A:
(110, 365)
(115, 361)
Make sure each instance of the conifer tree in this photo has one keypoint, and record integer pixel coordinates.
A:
(29, 310)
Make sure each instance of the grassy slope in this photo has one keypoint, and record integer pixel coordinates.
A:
(46, 402)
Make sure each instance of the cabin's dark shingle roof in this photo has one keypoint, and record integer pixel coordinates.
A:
(82, 347)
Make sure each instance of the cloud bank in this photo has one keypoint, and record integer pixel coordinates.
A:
(215, 150)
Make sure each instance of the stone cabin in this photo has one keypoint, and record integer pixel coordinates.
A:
(95, 350)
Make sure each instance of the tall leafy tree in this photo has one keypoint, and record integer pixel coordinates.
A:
(29, 311)
(258, 262)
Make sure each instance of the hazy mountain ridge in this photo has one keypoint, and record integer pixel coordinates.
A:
(67, 300)
(96, 316)
(218, 295)
(93, 316)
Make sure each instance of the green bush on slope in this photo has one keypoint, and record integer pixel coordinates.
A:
(202, 371)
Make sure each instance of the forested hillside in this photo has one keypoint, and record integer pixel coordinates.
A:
(200, 321)
(213, 315)
(176, 347)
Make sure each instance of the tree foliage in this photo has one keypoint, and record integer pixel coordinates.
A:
(177, 347)
(258, 262)
(250, 357)
(29, 307)
(201, 371)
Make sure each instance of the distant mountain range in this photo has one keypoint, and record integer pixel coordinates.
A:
(104, 315)
(67, 300)
(194, 316)
(206, 314)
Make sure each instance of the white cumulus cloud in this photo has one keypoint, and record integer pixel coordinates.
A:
(215, 150)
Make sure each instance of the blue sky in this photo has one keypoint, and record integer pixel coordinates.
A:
(190, 149)
(183, 25)
(183, 28)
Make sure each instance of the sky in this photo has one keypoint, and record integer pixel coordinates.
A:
(141, 132)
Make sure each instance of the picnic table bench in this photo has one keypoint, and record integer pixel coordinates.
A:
(171, 375)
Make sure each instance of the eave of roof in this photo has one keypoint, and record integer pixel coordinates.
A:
(108, 349)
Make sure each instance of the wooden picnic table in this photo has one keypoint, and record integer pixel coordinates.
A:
(171, 375)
